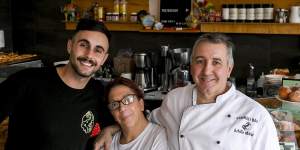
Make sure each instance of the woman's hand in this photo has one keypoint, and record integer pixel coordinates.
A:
(104, 139)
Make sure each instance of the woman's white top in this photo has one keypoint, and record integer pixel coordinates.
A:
(152, 138)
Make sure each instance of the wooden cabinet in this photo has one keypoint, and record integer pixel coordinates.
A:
(245, 28)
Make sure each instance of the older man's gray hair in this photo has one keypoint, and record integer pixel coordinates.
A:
(216, 38)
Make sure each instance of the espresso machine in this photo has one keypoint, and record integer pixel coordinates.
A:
(179, 73)
(176, 68)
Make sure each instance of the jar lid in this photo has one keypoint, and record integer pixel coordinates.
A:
(224, 5)
(249, 5)
(267, 5)
(231, 6)
(257, 5)
(240, 6)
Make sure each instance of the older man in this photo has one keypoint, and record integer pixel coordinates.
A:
(211, 114)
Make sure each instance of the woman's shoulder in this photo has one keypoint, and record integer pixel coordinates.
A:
(156, 128)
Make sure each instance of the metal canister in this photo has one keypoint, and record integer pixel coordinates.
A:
(281, 15)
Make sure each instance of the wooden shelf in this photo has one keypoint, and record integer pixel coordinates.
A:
(112, 26)
(251, 28)
(127, 26)
(171, 31)
(223, 27)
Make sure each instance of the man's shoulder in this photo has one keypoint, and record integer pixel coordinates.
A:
(251, 104)
(181, 90)
(30, 73)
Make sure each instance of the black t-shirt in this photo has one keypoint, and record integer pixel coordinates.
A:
(46, 114)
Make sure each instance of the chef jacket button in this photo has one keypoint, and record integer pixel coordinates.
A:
(182, 136)
(228, 115)
(218, 142)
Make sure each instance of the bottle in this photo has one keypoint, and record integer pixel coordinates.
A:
(260, 85)
(250, 13)
(123, 7)
(233, 12)
(116, 6)
(251, 88)
(268, 12)
(95, 9)
(259, 12)
(241, 13)
(225, 13)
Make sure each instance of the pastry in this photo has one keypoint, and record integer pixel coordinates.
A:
(295, 96)
(284, 92)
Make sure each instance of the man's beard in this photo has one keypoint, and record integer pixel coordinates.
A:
(77, 68)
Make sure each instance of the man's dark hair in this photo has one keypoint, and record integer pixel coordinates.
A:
(93, 25)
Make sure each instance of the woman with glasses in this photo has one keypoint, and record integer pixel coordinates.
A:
(126, 104)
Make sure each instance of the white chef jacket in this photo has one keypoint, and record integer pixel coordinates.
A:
(153, 137)
(233, 122)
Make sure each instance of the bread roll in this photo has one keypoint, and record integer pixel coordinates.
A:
(295, 96)
(284, 92)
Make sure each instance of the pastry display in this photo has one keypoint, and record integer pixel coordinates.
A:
(289, 93)
(10, 57)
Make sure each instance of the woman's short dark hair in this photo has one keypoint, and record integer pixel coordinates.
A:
(125, 82)
(93, 25)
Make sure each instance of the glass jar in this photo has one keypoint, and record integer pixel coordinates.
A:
(115, 16)
(123, 17)
(108, 16)
(133, 17)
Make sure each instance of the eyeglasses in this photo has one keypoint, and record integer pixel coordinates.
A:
(126, 100)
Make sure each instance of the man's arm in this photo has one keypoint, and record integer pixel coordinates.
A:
(267, 137)
(104, 139)
(8, 96)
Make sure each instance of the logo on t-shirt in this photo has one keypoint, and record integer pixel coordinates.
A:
(87, 122)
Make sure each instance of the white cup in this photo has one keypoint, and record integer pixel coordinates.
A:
(295, 14)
